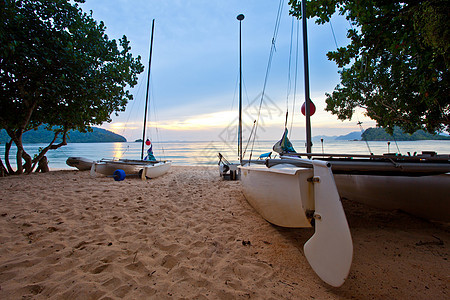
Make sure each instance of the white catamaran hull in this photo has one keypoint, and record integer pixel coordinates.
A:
(157, 169)
(423, 196)
(131, 167)
(280, 194)
(290, 196)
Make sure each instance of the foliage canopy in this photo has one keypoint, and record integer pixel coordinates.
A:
(396, 65)
(59, 68)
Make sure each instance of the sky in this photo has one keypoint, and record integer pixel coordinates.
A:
(195, 69)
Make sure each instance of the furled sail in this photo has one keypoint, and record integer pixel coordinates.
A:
(150, 156)
(284, 145)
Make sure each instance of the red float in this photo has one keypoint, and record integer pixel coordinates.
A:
(312, 108)
(147, 142)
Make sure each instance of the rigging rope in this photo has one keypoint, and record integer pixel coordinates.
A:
(132, 104)
(272, 50)
(334, 36)
(398, 149)
(289, 74)
(251, 133)
(362, 131)
(295, 77)
(157, 133)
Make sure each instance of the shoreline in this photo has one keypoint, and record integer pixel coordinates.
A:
(189, 234)
(205, 153)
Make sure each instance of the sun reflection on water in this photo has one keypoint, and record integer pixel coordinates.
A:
(119, 150)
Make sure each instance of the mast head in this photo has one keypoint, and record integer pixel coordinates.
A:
(240, 17)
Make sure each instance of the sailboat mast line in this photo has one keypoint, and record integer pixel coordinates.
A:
(146, 94)
(288, 92)
(295, 76)
(306, 70)
(334, 36)
(154, 117)
(269, 63)
(365, 140)
(240, 18)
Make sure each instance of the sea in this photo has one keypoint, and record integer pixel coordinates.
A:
(205, 153)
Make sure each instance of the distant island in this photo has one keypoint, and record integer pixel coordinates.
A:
(380, 134)
(98, 135)
(352, 136)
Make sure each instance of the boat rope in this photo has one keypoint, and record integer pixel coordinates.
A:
(288, 89)
(250, 136)
(137, 95)
(248, 103)
(295, 74)
(153, 115)
(228, 135)
(122, 154)
(334, 36)
(269, 63)
(395, 141)
(398, 149)
(362, 132)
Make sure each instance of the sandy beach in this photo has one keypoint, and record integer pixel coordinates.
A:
(191, 235)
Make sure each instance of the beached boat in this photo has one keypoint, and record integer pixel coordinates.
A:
(148, 166)
(418, 185)
(302, 192)
(296, 192)
(303, 195)
(426, 197)
(81, 163)
(151, 169)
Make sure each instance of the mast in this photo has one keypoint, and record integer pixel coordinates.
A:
(240, 18)
(146, 95)
(306, 71)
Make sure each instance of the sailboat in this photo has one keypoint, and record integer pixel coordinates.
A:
(305, 190)
(147, 167)
(229, 170)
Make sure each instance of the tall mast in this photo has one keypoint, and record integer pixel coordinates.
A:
(148, 84)
(240, 18)
(306, 71)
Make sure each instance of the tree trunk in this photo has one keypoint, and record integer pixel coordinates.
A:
(27, 166)
(22, 154)
(43, 165)
(17, 133)
(8, 164)
(42, 153)
(3, 171)
(19, 160)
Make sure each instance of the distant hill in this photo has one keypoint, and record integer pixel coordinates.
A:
(379, 134)
(355, 135)
(98, 135)
(324, 137)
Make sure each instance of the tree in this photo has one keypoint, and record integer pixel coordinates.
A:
(396, 65)
(58, 68)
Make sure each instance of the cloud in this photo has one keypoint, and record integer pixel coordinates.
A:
(195, 66)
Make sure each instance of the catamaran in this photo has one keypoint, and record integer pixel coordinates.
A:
(305, 190)
(147, 167)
